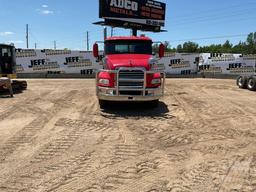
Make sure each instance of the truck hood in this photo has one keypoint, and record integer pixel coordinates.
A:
(128, 60)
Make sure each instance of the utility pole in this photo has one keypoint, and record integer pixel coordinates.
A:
(105, 33)
(87, 40)
(55, 45)
(35, 45)
(27, 36)
(112, 31)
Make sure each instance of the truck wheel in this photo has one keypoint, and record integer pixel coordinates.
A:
(251, 84)
(19, 85)
(154, 104)
(103, 104)
(242, 82)
(24, 85)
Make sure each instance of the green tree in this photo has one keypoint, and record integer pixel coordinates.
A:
(247, 47)
(227, 47)
(179, 48)
(190, 47)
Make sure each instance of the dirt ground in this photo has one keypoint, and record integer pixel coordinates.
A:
(202, 137)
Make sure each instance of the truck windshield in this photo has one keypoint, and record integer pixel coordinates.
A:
(128, 47)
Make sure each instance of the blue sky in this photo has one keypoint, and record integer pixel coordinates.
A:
(67, 22)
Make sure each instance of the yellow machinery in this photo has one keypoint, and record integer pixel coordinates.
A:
(8, 67)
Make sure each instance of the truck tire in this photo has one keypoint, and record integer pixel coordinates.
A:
(242, 82)
(19, 85)
(103, 104)
(154, 104)
(251, 85)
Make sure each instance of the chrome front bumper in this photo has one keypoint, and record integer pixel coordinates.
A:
(126, 93)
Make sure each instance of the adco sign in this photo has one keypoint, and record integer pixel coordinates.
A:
(144, 12)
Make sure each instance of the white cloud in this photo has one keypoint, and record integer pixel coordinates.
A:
(6, 33)
(46, 12)
(45, 6)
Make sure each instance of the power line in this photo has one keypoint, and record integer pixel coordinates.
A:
(215, 11)
(208, 19)
(212, 37)
(210, 23)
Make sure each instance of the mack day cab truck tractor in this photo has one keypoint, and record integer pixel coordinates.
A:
(130, 71)
(8, 68)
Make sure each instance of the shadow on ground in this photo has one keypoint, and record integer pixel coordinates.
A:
(136, 110)
(4, 94)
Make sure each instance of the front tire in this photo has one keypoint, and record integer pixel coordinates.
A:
(154, 104)
(103, 104)
(251, 85)
(242, 82)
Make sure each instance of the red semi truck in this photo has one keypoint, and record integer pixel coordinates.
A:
(130, 71)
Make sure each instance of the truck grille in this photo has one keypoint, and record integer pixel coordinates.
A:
(134, 78)
(136, 74)
(130, 81)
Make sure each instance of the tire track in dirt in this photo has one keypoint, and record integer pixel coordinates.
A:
(26, 135)
(123, 177)
(88, 125)
(123, 151)
(78, 170)
(162, 138)
(89, 109)
(229, 174)
(74, 130)
(201, 177)
(250, 182)
(190, 119)
(32, 179)
(236, 175)
(21, 106)
(178, 156)
(217, 147)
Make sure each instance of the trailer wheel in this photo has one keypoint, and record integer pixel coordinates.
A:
(242, 82)
(251, 84)
(103, 104)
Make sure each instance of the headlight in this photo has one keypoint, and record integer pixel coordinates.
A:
(156, 81)
(104, 81)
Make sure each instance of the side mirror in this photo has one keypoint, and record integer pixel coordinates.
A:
(96, 50)
(161, 50)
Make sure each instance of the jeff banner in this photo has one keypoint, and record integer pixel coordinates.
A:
(144, 12)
